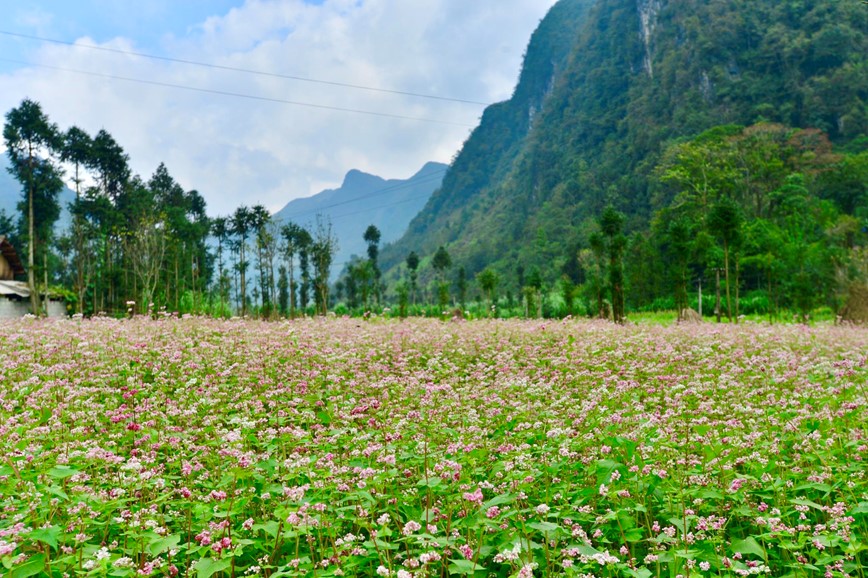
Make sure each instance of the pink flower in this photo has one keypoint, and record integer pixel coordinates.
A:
(736, 484)
(474, 496)
(204, 538)
(7, 547)
(466, 551)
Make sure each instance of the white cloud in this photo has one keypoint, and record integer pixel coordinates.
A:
(249, 151)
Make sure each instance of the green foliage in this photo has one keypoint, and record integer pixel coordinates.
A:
(655, 127)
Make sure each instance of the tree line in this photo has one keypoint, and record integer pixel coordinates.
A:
(767, 217)
(138, 245)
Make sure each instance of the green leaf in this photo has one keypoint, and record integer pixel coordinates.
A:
(61, 472)
(544, 526)
(270, 528)
(807, 503)
(748, 546)
(464, 567)
(498, 500)
(431, 482)
(58, 491)
(206, 567)
(862, 508)
(32, 567)
(826, 488)
(164, 544)
(47, 535)
(639, 572)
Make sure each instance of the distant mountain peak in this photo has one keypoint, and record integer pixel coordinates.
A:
(364, 199)
(355, 177)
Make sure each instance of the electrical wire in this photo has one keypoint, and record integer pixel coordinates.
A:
(244, 70)
(238, 94)
(434, 176)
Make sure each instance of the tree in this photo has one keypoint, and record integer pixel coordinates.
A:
(412, 267)
(111, 165)
(323, 250)
(724, 222)
(678, 246)
(242, 221)
(31, 138)
(441, 262)
(260, 219)
(294, 238)
(611, 223)
(462, 287)
(220, 229)
(147, 248)
(488, 280)
(598, 250)
(533, 293)
(357, 282)
(372, 238)
(305, 242)
(78, 150)
(282, 290)
(568, 293)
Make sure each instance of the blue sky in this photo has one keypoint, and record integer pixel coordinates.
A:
(147, 21)
(276, 138)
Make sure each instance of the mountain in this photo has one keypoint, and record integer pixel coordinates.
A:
(10, 196)
(606, 86)
(363, 200)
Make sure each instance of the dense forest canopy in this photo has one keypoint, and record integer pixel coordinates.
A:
(639, 78)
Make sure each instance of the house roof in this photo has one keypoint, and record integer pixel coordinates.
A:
(8, 251)
(17, 288)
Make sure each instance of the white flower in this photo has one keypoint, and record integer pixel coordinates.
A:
(102, 553)
(382, 571)
(124, 562)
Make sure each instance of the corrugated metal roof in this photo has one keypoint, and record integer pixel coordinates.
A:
(18, 288)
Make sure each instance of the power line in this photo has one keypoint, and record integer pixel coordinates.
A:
(244, 70)
(386, 206)
(405, 185)
(237, 94)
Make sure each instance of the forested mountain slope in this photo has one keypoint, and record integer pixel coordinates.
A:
(606, 87)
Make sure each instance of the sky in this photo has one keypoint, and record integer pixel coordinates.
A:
(204, 85)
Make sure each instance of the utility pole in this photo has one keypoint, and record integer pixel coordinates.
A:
(700, 298)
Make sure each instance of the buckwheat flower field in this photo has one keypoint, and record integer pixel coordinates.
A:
(421, 448)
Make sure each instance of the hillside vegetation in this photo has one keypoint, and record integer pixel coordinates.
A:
(619, 100)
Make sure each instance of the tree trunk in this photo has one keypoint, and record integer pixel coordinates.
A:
(31, 275)
(717, 293)
(736, 289)
(726, 272)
